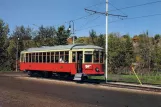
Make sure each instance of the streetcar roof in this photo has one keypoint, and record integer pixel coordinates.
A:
(63, 47)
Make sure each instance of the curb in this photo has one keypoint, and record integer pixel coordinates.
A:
(134, 86)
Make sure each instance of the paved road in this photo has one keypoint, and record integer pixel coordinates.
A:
(17, 92)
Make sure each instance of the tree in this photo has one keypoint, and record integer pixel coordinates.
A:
(101, 41)
(156, 56)
(80, 40)
(114, 52)
(145, 51)
(83, 40)
(61, 36)
(157, 38)
(17, 42)
(129, 55)
(12, 54)
(45, 36)
(93, 36)
(4, 30)
(20, 35)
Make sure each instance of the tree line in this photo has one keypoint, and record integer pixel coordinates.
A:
(142, 50)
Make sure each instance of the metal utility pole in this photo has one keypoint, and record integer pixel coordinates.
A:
(73, 29)
(106, 47)
(106, 51)
(17, 55)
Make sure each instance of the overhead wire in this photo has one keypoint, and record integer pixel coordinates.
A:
(90, 14)
(117, 8)
(90, 21)
(95, 4)
(137, 17)
(83, 17)
(124, 19)
(87, 28)
(148, 3)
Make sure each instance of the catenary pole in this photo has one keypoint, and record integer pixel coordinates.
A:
(106, 51)
(106, 40)
(17, 55)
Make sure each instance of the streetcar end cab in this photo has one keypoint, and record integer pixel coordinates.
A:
(91, 63)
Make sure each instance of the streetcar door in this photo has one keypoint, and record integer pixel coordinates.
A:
(79, 61)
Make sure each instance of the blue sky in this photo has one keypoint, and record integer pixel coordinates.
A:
(56, 12)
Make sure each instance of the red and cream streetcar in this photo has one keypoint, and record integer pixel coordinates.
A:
(78, 60)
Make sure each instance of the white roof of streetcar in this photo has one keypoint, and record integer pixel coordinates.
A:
(62, 47)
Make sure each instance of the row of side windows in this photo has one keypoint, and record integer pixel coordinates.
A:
(46, 57)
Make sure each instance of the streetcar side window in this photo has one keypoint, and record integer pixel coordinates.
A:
(37, 57)
(56, 57)
(52, 57)
(44, 56)
(61, 59)
(66, 56)
(30, 57)
(73, 56)
(24, 57)
(27, 56)
(101, 57)
(48, 57)
(33, 57)
(40, 57)
(96, 57)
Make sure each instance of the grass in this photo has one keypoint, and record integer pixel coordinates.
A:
(146, 79)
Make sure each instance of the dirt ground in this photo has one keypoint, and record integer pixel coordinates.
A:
(17, 90)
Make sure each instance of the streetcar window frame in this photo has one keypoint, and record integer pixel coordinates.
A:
(57, 57)
(66, 56)
(62, 55)
(27, 57)
(40, 57)
(30, 57)
(74, 58)
(96, 57)
(52, 57)
(48, 59)
(87, 54)
(33, 57)
(37, 57)
(101, 58)
(44, 57)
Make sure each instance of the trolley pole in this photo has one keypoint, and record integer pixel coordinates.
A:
(106, 62)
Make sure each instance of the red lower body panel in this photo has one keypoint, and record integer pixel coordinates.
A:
(89, 69)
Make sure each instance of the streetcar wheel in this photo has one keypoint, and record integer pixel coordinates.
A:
(30, 73)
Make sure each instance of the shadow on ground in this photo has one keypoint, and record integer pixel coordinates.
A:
(70, 79)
